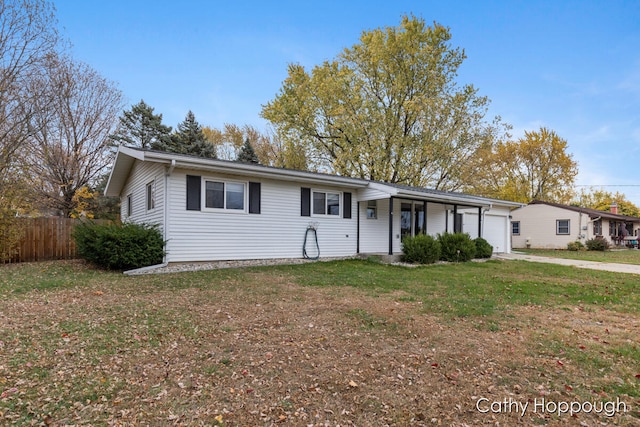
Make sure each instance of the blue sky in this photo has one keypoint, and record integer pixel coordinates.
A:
(572, 66)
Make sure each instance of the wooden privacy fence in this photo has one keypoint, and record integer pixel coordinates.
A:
(47, 238)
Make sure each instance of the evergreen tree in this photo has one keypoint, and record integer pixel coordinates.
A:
(189, 139)
(247, 154)
(139, 127)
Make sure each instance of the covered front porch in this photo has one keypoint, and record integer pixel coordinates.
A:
(387, 213)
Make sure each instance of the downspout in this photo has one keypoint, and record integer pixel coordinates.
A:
(358, 227)
(166, 203)
(391, 225)
(591, 222)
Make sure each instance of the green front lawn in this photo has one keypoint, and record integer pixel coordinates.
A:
(623, 256)
(348, 342)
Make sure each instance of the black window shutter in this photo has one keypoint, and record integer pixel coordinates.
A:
(346, 208)
(254, 197)
(305, 204)
(194, 187)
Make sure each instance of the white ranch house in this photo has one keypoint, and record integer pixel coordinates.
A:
(220, 210)
(546, 225)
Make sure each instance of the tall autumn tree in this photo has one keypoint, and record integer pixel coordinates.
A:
(140, 127)
(269, 149)
(602, 200)
(535, 167)
(69, 131)
(388, 108)
(28, 35)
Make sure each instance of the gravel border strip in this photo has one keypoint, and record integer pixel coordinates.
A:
(214, 265)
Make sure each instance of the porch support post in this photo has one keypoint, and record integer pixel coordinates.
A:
(358, 227)
(391, 225)
(446, 219)
(424, 217)
(455, 219)
(480, 222)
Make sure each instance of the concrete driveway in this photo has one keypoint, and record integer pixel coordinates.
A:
(593, 265)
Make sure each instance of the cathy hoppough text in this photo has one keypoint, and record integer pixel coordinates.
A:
(543, 406)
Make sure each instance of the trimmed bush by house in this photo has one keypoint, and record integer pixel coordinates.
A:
(422, 249)
(483, 248)
(575, 246)
(119, 246)
(456, 247)
(597, 244)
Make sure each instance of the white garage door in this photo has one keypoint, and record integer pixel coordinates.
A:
(495, 232)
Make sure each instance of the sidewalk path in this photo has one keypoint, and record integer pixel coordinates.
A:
(594, 265)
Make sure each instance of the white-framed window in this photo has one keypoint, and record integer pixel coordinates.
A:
(515, 228)
(372, 209)
(129, 204)
(326, 203)
(225, 195)
(151, 196)
(562, 226)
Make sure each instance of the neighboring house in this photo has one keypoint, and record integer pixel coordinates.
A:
(222, 210)
(546, 225)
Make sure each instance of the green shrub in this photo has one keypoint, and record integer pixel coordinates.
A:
(119, 246)
(422, 249)
(483, 248)
(575, 246)
(456, 247)
(597, 244)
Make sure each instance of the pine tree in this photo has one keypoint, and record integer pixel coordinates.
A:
(190, 139)
(247, 154)
(139, 127)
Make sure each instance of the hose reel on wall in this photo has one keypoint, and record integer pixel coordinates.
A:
(311, 229)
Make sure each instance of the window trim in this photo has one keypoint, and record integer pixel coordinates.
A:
(151, 195)
(129, 205)
(558, 233)
(597, 226)
(245, 195)
(374, 209)
(326, 203)
(513, 232)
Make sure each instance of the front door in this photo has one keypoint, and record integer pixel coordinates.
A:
(411, 219)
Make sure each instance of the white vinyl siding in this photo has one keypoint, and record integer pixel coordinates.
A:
(374, 232)
(277, 232)
(538, 226)
(134, 206)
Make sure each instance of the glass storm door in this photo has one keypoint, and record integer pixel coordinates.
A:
(418, 220)
(411, 219)
(405, 220)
